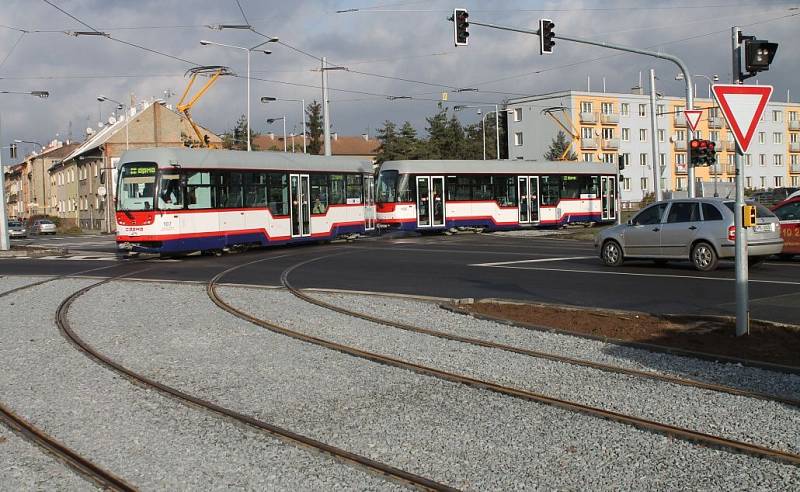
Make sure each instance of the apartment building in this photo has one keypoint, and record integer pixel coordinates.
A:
(607, 126)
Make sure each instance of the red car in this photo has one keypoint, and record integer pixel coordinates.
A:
(788, 211)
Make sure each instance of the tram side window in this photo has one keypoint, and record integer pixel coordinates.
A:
(199, 191)
(229, 189)
(170, 194)
(337, 189)
(580, 186)
(550, 191)
(255, 190)
(319, 193)
(354, 182)
(407, 188)
(482, 188)
(459, 187)
(505, 190)
(278, 193)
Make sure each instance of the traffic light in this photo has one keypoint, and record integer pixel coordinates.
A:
(546, 36)
(694, 152)
(748, 216)
(702, 152)
(758, 55)
(711, 153)
(460, 26)
(13, 150)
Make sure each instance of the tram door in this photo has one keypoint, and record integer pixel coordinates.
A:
(608, 185)
(528, 199)
(430, 201)
(300, 192)
(369, 202)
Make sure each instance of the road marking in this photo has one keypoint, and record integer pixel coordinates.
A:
(540, 260)
(570, 270)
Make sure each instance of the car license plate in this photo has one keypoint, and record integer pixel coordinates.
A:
(763, 228)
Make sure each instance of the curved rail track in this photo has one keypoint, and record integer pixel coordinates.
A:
(701, 438)
(366, 464)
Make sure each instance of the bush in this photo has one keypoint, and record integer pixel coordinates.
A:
(648, 199)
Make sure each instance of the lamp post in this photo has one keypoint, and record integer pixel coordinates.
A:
(483, 125)
(248, 50)
(120, 107)
(266, 99)
(273, 120)
(5, 244)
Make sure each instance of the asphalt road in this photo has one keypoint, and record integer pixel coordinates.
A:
(478, 266)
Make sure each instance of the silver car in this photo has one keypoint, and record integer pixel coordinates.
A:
(43, 226)
(697, 229)
(16, 229)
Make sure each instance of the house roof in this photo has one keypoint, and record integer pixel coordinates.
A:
(343, 145)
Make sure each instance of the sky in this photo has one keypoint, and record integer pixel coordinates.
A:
(390, 49)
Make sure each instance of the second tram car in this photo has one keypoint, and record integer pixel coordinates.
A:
(494, 195)
(172, 200)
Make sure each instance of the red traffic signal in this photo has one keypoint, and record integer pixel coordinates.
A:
(460, 26)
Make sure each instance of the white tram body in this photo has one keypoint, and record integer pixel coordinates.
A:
(173, 200)
(494, 195)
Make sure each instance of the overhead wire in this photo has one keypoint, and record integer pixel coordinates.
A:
(22, 35)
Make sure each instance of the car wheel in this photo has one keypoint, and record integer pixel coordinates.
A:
(754, 261)
(612, 253)
(704, 257)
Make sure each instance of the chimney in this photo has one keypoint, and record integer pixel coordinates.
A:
(365, 136)
(335, 136)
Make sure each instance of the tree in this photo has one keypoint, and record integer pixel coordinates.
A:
(389, 148)
(557, 148)
(314, 127)
(408, 144)
(235, 139)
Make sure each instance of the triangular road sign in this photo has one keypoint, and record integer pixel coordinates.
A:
(693, 117)
(742, 106)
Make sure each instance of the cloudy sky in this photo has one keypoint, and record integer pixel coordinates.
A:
(380, 42)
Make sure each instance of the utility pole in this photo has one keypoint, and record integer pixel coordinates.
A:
(5, 243)
(742, 294)
(325, 110)
(654, 134)
(497, 131)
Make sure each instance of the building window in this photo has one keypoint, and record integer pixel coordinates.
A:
(777, 116)
(777, 159)
(778, 181)
(679, 116)
(586, 106)
(517, 114)
(793, 159)
(625, 159)
(586, 132)
(713, 112)
(662, 160)
(518, 138)
(793, 137)
(660, 110)
(607, 108)
(644, 183)
(777, 138)
(626, 184)
(662, 135)
(748, 160)
(731, 160)
(748, 182)
(762, 137)
(713, 135)
(762, 159)
(763, 180)
(643, 159)
(698, 134)
(796, 181)
(642, 134)
(624, 109)
(643, 110)
(680, 135)
(626, 134)
(680, 159)
(792, 115)
(587, 157)
(681, 184)
(608, 133)
(609, 158)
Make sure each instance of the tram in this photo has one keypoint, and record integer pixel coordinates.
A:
(494, 195)
(177, 200)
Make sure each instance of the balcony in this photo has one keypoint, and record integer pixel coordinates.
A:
(794, 146)
(795, 167)
(680, 145)
(588, 144)
(679, 120)
(609, 118)
(715, 122)
(730, 146)
(794, 125)
(610, 144)
(730, 169)
(680, 168)
(588, 118)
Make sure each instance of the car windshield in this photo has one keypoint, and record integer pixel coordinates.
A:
(45, 222)
(761, 210)
(13, 223)
(137, 184)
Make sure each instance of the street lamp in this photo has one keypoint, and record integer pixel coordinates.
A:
(248, 50)
(711, 80)
(302, 102)
(273, 120)
(120, 107)
(5, 245)
(496, 112)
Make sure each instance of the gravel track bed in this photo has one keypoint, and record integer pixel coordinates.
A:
(150, 440)
(8, 283)
(461, 436)
(761, 422)
(430, 315)
(25, 466)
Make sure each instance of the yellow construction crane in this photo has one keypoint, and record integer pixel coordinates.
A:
(213, 72)
(566, 125)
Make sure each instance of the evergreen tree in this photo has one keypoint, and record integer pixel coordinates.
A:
(435, 147)
(408, 144)
(235, 138)
(314, 128)
(389, 148)
(557, 147)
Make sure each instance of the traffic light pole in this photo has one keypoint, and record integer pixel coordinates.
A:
(687, 76)
(742, 294)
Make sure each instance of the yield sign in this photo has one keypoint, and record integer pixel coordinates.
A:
(742, 106)
(693, 117)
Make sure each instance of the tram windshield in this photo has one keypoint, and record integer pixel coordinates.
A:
(387, 187)
(136, 187)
